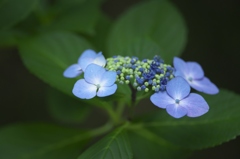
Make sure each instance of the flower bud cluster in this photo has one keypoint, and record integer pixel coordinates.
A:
(145, 75)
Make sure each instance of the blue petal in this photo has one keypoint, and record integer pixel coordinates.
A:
(87, 54)
(161, 99)
(178, 88)
(93, 74)
(100, 60)
(195, 104)
(84, 90)
(195, 71)
(180, 65)
(179, 73)
(86, 58)
(176, 110)
(108, 78)
(72, 71)
(204, 85)
(106, 91)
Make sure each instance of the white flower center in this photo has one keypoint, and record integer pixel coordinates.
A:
(190, 79)
(177, 101)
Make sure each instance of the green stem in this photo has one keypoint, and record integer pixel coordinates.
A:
(120, 109)
(133, 95)
(133, 101)
(111, 113)
(101, 130)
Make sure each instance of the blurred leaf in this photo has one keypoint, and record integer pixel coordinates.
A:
(76, 16)
(148, 145)
(100, 37)
(149, 24)
(220, 124)
(40, 141)
(13, 11)
(47, 56)
(65, 108)
(62, 5)
(8, 38)
(113, 146)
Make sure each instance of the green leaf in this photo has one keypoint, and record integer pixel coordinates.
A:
(78, 16)
(101, 31)
(13, 11)
(220, 124)
(153, 147)
(65, 108)
(152, 23)
(41, 141)
(47, 56)
(112, 146)
(8, 38)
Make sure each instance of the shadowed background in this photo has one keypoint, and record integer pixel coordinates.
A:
(213, 41)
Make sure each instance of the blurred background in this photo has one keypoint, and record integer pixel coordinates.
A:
(213, 41)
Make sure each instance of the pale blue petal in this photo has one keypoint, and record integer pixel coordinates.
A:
(161, 99)
(180, 65)
(204, 85)
(195, 71)
(93, 74)
(108, 78)
(84, 90)
(179, 73)
(176, 110)
(195, 104)
(178, 88)
(72, 71)
(87, 54)
(100, 60)
(86, 58)
(106, 91)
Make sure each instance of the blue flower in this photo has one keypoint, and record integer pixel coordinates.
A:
(193, 73)
(177, 100)
(97, 81)
(87, 57)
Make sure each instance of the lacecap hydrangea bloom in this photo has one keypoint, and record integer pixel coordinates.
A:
(178, 101)
(97, 81)
(193, 73)
(170, 85)
(87, 57)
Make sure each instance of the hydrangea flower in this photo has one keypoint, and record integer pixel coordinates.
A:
(87, 57)
(144, 74)
(193, 73)
(178, 100)
(97, 81)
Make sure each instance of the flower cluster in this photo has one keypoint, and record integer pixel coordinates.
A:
(170, 85)
(97, 80)
(144, 75)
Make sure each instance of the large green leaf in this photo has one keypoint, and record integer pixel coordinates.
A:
(112, 146)
(146, 144)
(47, 56)
(101, 31)
(13, 11)
(41, 141)
(220, 124)
(80, 16)
(65, 108)
(149, 24)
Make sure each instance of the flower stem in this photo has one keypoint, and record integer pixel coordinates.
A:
(112, 114)
(101, 130)
(133, 101)
(133, 95)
